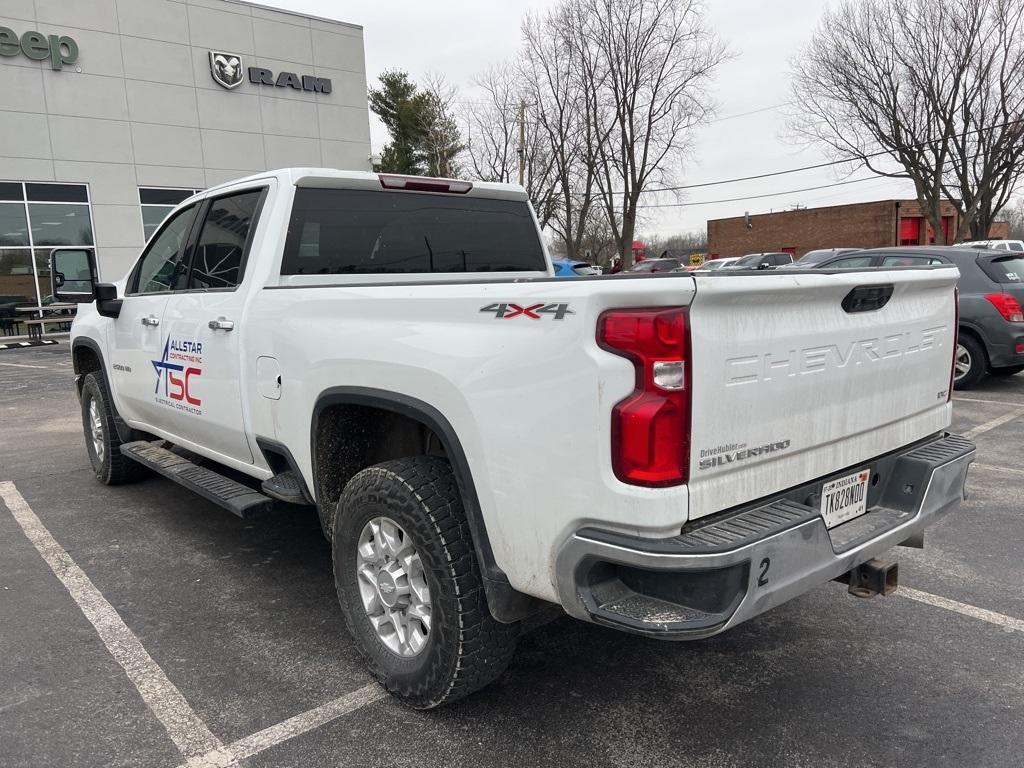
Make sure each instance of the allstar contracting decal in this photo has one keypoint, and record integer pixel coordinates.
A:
(176, 374)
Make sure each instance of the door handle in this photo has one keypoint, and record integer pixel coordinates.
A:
(152, 320)
(222, 324)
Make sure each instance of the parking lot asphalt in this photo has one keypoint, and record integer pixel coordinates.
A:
(235, 632)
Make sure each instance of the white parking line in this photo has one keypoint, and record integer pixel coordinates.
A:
(199, 747)
(994, 468)
(999, 619)
(957, 398)
(189, 734)
(307, 721)
(23, 365)
(992, 424)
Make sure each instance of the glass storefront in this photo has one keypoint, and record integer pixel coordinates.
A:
(157, 202)
(34, 218)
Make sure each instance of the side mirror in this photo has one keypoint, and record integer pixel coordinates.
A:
(73, 278)
(764, 265)
(73, 274)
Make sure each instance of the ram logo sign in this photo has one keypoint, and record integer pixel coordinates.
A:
(228, 72)
(226, 68)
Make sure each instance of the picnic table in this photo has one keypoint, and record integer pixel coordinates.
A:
(58, 314)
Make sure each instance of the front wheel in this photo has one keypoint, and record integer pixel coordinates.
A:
(102, 442)
(410, 586)
(970, 363)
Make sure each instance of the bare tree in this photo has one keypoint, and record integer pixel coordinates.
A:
(647, 66)
(441, 142)
(988, 147)
(492, 138)
(559, 112)
(913, 89)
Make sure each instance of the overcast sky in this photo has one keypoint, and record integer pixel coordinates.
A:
(459, 38)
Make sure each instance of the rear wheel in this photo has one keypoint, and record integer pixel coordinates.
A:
(410, 586)
(970, 362)
(102, 442)
(1010, 370)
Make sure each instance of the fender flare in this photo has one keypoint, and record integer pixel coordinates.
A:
(506, 604)
(125, 433)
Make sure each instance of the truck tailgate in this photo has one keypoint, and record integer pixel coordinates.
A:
(789, 384)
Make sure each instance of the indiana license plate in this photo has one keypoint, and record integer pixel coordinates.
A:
(845, 498)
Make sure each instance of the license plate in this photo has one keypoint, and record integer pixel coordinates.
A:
(845, 498)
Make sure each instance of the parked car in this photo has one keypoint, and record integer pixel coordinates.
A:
(991, 331)
(390, 350)
(999, 245)
(654, 265)
(769, 260)
(713, 265)
(570, 268)
(812, 258)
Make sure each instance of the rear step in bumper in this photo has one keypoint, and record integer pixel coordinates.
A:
(712, 578)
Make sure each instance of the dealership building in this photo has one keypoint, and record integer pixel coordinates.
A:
(113, 111)
(877, 224)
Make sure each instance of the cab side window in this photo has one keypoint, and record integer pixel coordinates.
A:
(853, 262)
(909, 261)
(220, 252)
(162, 266)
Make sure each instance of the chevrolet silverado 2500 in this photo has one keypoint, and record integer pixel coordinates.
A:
(396, 352)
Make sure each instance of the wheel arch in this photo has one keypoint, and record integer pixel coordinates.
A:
(86, 358)
(975, 333)
(505, 603)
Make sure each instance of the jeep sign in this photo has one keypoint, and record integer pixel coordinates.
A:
(60, 50)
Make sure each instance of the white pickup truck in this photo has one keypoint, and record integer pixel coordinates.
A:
(668, 455)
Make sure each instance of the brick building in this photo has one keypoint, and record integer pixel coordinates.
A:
(861, 225)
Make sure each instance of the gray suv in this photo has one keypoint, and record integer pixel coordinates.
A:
(991, 332)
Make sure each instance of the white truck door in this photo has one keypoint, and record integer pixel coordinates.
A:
(138, 364)
(205, 328)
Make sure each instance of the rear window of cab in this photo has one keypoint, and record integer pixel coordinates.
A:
(343, 231)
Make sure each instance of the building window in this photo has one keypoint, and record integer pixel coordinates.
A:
(36, 217)
(157, 202)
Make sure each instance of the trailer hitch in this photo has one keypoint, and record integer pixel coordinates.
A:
(874, 577)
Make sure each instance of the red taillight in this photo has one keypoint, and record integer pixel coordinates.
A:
(1007, 305)
(421, 184)
(651, 427)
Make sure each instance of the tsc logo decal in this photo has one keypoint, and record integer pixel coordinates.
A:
(177, 370)
(508, 310)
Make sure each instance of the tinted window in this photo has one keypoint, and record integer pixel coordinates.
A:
(1004, 269)
(160, 268)
(909, 261)
(751, 260)
(340, 231)
(13, 225)
(224, 241)
(1014, 247)
(851, 262)
(783, 258)
(57, 193)
(60, 224)
(161, 196)
(11, 190)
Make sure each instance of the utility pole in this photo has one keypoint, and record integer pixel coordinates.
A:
(522, 143)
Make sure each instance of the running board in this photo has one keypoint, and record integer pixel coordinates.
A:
(286, 487)
(238, 499)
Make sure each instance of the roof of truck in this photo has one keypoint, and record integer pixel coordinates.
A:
(333, 178)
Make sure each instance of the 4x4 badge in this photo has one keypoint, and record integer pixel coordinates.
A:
(508, 310)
